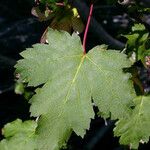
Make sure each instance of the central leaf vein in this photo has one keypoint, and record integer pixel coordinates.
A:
(74, 78)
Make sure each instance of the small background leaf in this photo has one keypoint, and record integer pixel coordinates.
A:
(136, 128)
(19, 136)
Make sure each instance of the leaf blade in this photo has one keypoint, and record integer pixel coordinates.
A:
(64, 101)
(19, 135)
(136, 128)
(109, 77)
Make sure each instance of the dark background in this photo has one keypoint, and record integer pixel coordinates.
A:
(19, 30)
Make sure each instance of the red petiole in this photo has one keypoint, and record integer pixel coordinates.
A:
(86, 29)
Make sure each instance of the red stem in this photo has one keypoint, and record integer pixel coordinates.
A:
(87, 28)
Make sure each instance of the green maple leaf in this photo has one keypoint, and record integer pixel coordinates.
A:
(137, 41)
(70, 79)
(136, 128)
(19, 136)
